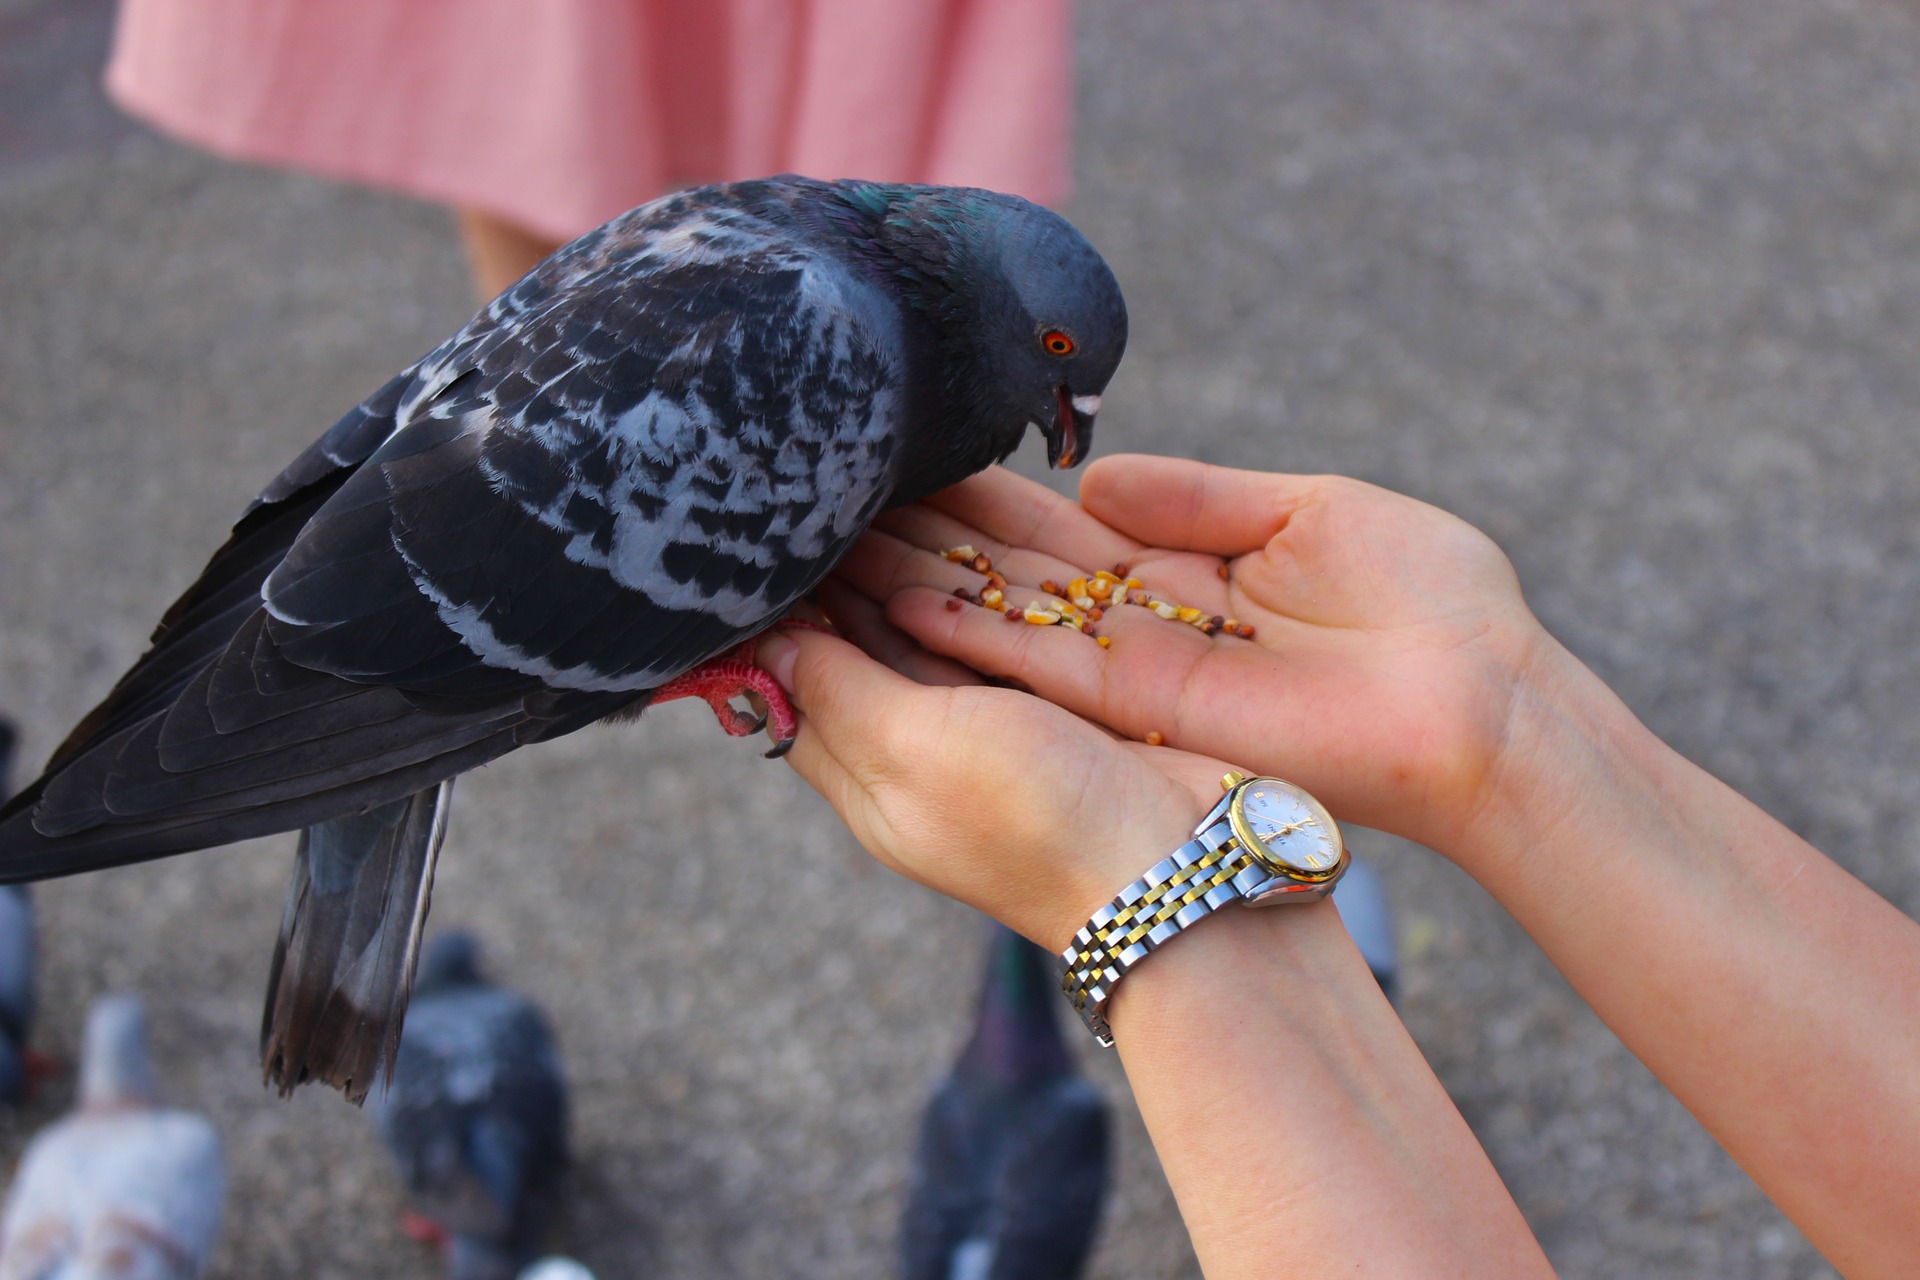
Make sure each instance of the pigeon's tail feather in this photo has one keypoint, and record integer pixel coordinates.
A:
(349, 941)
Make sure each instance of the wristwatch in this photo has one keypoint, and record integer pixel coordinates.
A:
(1265, 842)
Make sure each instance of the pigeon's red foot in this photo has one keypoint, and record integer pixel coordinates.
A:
(415, 1226)
(733, 674)
(40, 1068)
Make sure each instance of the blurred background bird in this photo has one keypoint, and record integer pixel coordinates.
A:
(556, 1269)
(475, 1115)
(122, 1188)
(1011, 1164)
(583, 502)
(1362, 902)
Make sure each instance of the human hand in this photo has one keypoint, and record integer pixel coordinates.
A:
(1393, 659)
(988, 795)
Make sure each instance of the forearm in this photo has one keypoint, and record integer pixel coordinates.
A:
(1773, 993)
(1299, 1126)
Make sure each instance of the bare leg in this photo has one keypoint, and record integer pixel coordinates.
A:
(498, 252)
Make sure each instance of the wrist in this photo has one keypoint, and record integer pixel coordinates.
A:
(1108, 861)
(1568, 742)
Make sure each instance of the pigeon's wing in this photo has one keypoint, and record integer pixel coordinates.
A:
(639, 457)
(199, 627)
(205, 618)
(649, 466)
(349, 941)
(1050, 1186)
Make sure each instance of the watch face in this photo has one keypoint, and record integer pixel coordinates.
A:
(1287, 829)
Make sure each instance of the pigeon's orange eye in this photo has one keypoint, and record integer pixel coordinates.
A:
(1057, 343)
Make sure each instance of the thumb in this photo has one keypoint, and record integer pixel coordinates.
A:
(859, 716)
(1191, 506)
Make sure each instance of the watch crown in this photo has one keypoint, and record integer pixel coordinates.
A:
(1232, 780)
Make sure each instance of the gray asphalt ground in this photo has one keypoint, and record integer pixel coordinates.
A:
(1635, 288)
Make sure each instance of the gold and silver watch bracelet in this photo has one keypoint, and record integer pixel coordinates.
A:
(1185, 886)
(1227, 860)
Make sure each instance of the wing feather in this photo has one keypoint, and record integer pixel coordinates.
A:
(638, 457)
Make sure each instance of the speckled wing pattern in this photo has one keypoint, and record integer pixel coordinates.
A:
(640, 455)
(600, 486)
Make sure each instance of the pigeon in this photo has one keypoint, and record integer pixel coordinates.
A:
(19, 1066)
(556, 1269)
(1011, 1165)
(475, 1114)
(123, 1188)
(588, 500)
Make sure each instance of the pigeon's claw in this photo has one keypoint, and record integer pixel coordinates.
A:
(718, 681)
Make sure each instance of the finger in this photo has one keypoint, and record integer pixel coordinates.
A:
(864, 622)
(1191, 506)
(933, 531)
(1017, 512)
(879, 564)
(859, 719)
(1120, 686)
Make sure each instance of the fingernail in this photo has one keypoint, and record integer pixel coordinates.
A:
(776, 655)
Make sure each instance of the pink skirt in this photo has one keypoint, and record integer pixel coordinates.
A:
(559, 114)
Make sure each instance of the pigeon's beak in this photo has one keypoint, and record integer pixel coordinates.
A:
(1072, 434)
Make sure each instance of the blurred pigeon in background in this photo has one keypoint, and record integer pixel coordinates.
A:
(18, 1065)
(476, 1114)
(1362, 902)
(556, 1269)
(122, 1188)
(1011, 1164)
(584, 502)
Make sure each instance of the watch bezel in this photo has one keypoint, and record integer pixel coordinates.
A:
(1265, 856)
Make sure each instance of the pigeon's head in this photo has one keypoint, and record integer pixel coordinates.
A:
(114, 1068)
(1028, 325)
(1054, 329)
(450, 960)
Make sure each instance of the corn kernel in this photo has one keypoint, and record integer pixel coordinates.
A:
(959, 553)
(1041, 616)
(1100, 588)
(981, 564)
(1155, 738)
(991, 598)
(1104, 641)
(1165, 610)
(1049, 586)
(1189, 614)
